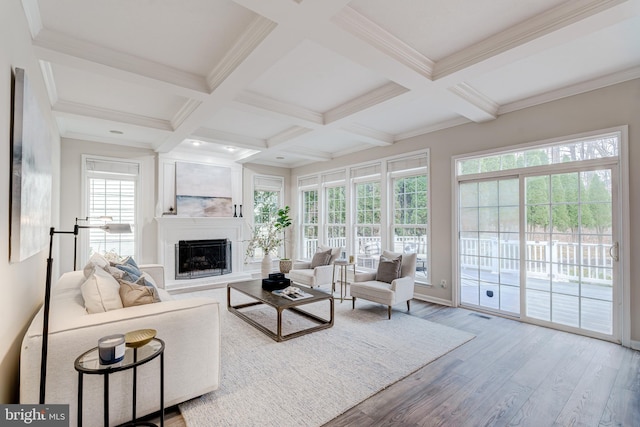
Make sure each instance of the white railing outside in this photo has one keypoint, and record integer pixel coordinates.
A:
(561, 260)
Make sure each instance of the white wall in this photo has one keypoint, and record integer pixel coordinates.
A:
(22, 284)
(600, 109)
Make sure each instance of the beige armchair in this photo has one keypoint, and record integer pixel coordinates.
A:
(369, 286)
(320, 275)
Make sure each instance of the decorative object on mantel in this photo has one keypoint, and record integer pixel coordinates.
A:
(235, 211)
(265, 237)
(240, 211)
(283, 221)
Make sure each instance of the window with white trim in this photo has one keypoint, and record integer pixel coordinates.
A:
(267, 199)
(111, 196)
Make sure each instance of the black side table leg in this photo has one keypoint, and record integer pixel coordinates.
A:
(79, 399)
(106, 400)
(135, 382)
(162, 389)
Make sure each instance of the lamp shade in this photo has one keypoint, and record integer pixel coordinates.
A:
(115, 228)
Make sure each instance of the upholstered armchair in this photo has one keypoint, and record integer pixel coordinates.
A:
(318, 271)
(392, 284)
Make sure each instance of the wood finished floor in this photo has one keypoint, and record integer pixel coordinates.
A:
(511, 374)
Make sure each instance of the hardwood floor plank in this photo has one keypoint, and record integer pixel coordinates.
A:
(511, 373)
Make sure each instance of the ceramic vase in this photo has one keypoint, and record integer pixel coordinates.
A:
(266, 265)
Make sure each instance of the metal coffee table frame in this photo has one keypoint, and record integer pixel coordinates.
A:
(253, 289)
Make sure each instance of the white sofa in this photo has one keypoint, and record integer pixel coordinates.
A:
(190, 329)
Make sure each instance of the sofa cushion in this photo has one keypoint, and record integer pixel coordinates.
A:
(389, 269)
(137, 293)
(320, 258)
(335, 252)
(101, 292)
(96, 260)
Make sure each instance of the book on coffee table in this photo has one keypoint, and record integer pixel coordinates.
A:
(294, 296)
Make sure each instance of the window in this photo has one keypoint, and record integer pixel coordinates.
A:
(267, 199)
(309, 222)
(111, 191)
(336, 219)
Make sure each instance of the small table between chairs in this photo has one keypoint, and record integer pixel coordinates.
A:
(343, 267)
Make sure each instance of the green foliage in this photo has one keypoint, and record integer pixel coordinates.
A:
(281, 223)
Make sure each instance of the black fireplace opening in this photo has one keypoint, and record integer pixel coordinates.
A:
(202, 258)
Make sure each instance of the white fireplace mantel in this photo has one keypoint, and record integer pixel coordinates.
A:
(171, 229)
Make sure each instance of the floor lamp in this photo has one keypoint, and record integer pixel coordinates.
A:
(109, 228)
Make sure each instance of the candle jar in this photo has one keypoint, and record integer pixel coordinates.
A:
(111, 349)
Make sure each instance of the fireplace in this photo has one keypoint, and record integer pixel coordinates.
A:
(202, 258)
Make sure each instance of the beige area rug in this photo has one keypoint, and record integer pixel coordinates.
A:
(308, 381)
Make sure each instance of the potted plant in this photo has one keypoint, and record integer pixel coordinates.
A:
(282, 222)
(264, 237)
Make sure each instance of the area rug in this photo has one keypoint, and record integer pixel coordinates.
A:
(309, 380)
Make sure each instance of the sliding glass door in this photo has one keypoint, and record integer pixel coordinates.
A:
(489, 245)
(570, 252)
(538, 232)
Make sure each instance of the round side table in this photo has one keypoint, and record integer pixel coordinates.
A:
(89, 363)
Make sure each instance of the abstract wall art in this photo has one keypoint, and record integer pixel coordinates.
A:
(203, 190)
(31, 173)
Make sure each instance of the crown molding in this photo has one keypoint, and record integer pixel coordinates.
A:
(316, 156)
(255, 103)
(49, 81)
(255, 33)
(353, 22)
(433, 128)
(476, 98)
(361, 103)
(184, 112)
(287, 135)
(540, 25)
(576, 89)
(32, 13)
(83, 110)
(59, 48)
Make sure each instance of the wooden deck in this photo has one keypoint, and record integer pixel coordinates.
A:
(511, 374)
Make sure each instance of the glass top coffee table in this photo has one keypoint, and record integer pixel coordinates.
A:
(253, 289)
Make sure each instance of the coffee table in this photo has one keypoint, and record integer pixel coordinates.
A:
(253, 289)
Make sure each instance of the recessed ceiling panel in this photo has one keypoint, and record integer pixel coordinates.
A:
(438, 28)
(397, 119)
(243, 123)
(192, 36)
(85, 88)
(315, 78)
(101, 130)
(595, 55)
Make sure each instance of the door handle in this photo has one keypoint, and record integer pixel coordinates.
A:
(614, 252)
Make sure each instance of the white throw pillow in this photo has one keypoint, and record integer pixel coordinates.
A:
(96, 260)
(101, 292)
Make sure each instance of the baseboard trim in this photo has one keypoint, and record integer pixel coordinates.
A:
(434, 300)
(635, 345)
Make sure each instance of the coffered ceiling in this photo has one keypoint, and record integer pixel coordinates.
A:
(290, 82)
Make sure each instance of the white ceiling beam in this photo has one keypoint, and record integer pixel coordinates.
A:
(487, 108)
(82, 110)
(61, 49)
(543, 31)
(106, 140)
(254, 103)
(367, 135)
(228, 138)
(287, 136)
(375, 97)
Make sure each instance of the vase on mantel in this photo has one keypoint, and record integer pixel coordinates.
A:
(266, 265)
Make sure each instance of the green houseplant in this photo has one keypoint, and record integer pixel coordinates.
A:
(282, 222)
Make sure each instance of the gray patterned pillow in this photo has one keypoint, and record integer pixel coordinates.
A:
(321, 258)
(389, 269)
